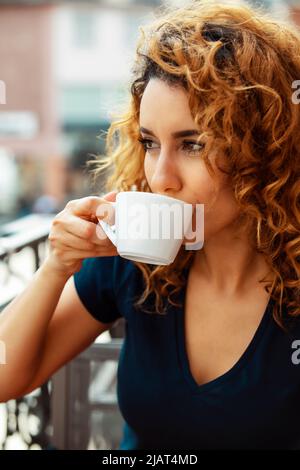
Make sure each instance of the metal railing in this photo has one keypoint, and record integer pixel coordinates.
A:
(77, 408)
(85, 410)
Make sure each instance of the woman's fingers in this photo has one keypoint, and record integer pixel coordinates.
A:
(76, 234)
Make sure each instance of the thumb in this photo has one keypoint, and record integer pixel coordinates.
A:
(106, 212)
(111, 196)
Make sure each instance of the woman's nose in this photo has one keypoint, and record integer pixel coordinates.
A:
(165, 177)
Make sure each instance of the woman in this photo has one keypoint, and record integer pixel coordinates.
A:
(210, 357)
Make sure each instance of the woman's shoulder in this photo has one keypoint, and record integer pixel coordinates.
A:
(105, 272)
(104, 284)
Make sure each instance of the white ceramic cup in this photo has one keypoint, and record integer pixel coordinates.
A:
(148, 227)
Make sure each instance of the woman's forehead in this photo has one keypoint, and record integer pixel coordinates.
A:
(161, 103)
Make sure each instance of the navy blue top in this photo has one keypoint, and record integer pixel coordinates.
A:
(254, 405)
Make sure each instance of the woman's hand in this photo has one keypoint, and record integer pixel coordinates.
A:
(76, 235)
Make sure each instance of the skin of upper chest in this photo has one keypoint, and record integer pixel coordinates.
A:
(219, 328)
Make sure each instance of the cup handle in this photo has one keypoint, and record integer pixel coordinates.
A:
(110, 230)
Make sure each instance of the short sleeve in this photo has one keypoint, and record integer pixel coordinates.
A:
(94, 285)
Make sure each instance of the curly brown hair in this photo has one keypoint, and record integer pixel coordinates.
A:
(238, 65)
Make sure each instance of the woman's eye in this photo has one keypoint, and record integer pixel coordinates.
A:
(190, 147)
(145, 143)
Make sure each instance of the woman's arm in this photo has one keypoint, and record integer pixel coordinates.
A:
(43, 328)
(24, 323)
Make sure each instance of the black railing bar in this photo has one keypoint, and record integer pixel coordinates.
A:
(22, 240)
(18, 225)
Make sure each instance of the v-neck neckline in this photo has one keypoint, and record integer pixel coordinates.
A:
(182, 352)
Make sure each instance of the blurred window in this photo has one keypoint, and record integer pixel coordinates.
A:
(84, 29)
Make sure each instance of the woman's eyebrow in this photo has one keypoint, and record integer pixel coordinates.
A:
(176, 135)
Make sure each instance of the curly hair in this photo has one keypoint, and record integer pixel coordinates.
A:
(238, 65)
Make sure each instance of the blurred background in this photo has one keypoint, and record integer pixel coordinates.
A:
(64, 69)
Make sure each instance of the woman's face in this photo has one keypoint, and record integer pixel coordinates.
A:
(173, 166)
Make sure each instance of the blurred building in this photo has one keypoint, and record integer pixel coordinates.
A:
(28, 115)
(65, 67)
(93, 47)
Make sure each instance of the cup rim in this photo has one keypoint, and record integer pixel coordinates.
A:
(155, 194)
